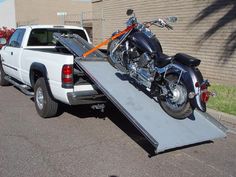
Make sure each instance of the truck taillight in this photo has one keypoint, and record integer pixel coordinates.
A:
(67, 76)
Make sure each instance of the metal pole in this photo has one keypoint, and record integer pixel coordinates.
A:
(63, 19)
(103, 31)
(81, 19)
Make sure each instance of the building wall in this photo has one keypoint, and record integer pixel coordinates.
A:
(205, 29)
(7, 13)
(45, 11)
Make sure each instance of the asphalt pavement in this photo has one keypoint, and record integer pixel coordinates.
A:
(85, 143)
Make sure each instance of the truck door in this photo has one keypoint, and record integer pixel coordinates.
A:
(12, 53)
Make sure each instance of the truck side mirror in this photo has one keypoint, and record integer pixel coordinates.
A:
(3, 41)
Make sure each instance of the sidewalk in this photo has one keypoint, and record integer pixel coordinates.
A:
(226, 119)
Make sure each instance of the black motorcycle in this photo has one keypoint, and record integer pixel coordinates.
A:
(174, 81)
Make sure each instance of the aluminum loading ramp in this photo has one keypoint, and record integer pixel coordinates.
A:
(163, 131)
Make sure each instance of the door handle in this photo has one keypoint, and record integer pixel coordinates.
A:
(11, 53)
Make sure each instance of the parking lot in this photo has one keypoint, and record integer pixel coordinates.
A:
(85, 143)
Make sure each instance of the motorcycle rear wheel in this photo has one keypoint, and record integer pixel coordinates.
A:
(177, 105)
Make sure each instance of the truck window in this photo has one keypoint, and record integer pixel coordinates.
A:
(44, 37)
(16, 38)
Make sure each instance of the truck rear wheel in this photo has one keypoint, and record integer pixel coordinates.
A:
(3, 82)
(44, 103)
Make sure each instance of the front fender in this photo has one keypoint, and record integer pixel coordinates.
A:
(116, 32)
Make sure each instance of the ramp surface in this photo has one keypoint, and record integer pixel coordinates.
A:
(163, 131)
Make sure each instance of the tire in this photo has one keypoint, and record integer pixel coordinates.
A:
(184, 109)
(3, 82)
(109, 48)
(44, 103)
(117, 65)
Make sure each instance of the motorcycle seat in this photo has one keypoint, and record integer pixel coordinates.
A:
(163, 60)
(187, 59)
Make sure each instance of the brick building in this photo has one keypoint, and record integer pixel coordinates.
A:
(48, 12)
(7, 13)
(56, 12)
(205, 29)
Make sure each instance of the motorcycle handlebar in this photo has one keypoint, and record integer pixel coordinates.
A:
(169, 27)
(160, 23)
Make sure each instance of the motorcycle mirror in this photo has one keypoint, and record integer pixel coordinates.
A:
(3, 41)
(171, 19)
(129, 12)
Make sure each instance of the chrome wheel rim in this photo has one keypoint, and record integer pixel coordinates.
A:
(178, 97)
(179, 94)
(39, 98)
(115, 57)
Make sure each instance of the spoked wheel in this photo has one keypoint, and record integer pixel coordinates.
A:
(176, 102)
(116, 58)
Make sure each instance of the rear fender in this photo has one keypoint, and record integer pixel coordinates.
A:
(40, 68)
(190, 76)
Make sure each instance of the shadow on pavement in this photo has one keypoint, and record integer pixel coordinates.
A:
(113, 114)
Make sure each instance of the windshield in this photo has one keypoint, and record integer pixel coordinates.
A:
(44, 37)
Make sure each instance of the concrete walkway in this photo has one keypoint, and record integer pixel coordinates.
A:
(228, 120)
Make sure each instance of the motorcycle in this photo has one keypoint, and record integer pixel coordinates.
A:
(174, 81)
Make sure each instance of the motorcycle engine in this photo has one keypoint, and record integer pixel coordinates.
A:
(141, 69)
(144, 60)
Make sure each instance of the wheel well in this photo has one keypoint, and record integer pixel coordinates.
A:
(38, 70)
(35, 75)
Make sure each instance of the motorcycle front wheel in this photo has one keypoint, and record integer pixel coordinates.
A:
(175, 101)
(110, 47)
(116, 59)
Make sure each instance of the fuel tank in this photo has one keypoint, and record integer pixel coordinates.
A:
(145, 44)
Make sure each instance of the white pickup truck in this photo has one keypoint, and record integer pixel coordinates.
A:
(33, 61)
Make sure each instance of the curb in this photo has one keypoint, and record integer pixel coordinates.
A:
(226, 119)
(222, 116)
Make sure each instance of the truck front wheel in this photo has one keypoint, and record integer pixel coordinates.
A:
(3, 81)
(44, 103)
